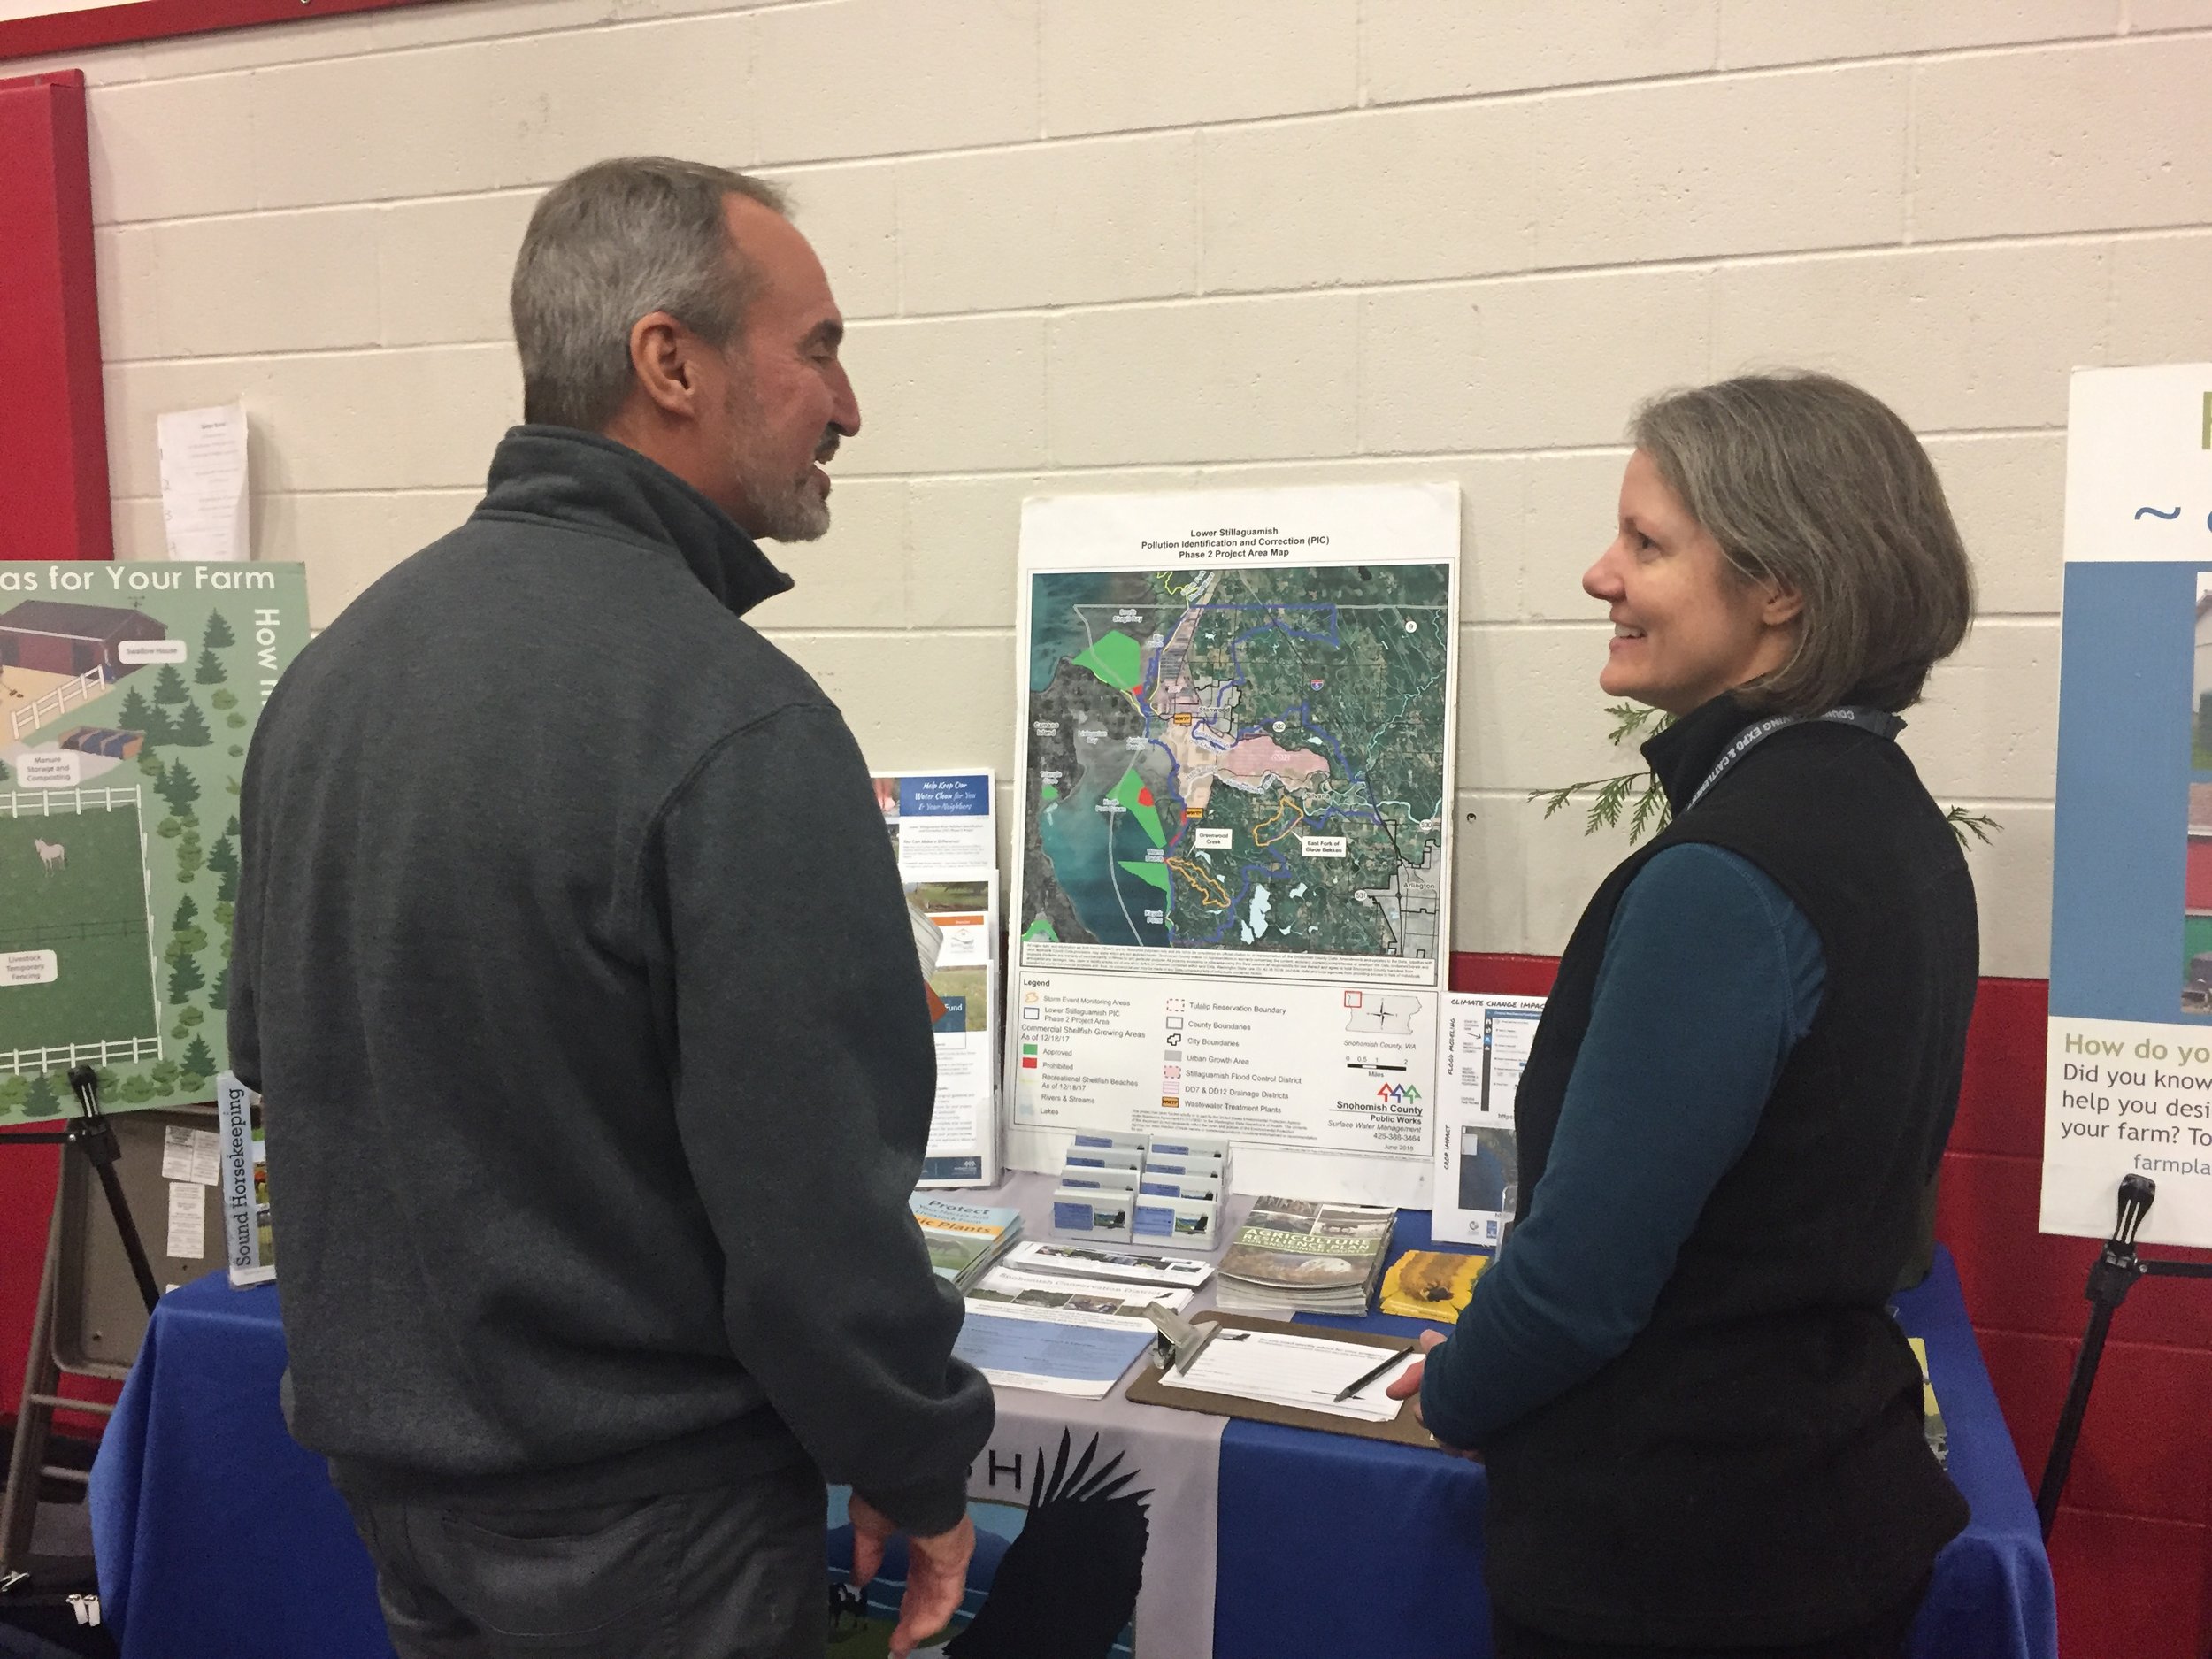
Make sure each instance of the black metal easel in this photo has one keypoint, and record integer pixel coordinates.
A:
(2111, 1276)
(93, 1135)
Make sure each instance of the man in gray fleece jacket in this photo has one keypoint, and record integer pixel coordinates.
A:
(571, 959)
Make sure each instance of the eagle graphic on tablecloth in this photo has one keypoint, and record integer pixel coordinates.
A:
(1067, 1585)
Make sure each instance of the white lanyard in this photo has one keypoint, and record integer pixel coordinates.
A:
(1872, 720)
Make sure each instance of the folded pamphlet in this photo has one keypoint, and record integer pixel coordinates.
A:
(963, 1239)
(1431, 1284)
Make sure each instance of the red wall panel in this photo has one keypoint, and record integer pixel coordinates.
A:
(106, 24)
(53, 430)
(53, 495)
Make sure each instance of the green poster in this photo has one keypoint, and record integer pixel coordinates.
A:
(128, 694)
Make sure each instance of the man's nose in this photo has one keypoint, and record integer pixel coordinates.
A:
(845, 410)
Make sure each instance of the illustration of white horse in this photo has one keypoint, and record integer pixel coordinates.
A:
(51, 855)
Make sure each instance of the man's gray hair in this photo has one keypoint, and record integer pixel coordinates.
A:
(607, 245)
(1808, 481)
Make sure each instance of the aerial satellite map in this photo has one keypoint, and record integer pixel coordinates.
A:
(1247, 758)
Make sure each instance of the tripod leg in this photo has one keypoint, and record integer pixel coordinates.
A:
(19, 1508)
(120, 1207)
(2061, 1462)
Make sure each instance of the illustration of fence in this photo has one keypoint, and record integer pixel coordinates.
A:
(55, 933)
(48, 803)
(59, 701)
(120, 1051)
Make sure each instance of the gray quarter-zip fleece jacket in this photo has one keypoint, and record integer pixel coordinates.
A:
(571, 959)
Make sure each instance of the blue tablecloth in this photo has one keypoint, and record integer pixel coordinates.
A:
(1401, 1569)
(218, 1537)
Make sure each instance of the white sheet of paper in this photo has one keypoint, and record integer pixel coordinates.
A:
(187, 1220)
(1308, 1373)
(190, 1154)
(202, 455)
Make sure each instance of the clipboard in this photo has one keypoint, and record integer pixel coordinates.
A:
(1405, 1428)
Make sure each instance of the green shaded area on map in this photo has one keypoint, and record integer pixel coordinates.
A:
(1145, 871)
(1136, 800)
(1116, 659)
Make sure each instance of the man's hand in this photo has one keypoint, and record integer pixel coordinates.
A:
(936, 1573)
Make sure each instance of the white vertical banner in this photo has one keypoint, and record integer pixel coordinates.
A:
(2128, 1079)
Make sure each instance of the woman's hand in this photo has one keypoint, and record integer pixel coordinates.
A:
(1407, 1385)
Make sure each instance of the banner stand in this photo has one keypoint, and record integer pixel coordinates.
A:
(2111, 1276)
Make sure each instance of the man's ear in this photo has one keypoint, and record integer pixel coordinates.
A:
(660, 356)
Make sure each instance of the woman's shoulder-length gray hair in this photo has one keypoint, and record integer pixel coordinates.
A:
(1808, 481)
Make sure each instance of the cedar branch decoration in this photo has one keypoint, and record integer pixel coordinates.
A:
(1639, 797)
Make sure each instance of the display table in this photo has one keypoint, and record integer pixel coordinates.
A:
(218, 1537)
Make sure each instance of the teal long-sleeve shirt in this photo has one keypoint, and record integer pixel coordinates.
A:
(1711, 976)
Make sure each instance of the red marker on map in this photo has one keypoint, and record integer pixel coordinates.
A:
(1144, 797)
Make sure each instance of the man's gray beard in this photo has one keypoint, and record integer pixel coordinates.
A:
(795, 512)
(788, 510)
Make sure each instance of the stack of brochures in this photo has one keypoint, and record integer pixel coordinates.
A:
(1297, 1255)
(1069, 1319)
(964, 1239)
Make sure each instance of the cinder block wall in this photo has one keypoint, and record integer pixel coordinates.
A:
(1114, 244)
(1106, 244)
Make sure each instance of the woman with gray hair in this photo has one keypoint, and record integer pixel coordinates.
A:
(1703, 1427)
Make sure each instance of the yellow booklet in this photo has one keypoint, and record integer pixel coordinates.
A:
(1931, 1414)
(1431, 1284)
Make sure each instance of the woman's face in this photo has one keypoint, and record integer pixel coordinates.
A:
(1686, 627)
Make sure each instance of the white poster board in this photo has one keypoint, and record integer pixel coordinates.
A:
(1483, 1044)
(2128, 1079)
(1233, 851)
(944, 830)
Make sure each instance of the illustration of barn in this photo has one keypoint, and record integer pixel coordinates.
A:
(54, 637)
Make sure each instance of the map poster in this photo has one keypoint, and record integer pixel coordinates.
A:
(1232, 853)
(2127, 1078)
(128, 694)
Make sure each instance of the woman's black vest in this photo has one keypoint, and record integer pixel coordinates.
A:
(1752, 1470)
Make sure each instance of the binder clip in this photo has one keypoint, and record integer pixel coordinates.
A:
(1178, 1342)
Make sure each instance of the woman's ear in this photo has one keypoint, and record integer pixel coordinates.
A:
(1781, 606)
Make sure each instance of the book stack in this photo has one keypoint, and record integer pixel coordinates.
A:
(965, 1240)
(1298, 1256)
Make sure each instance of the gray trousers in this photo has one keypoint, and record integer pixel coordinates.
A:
(732, 1572)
